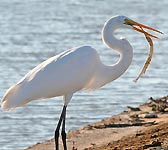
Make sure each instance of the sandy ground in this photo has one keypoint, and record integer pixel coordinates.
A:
(145, 127)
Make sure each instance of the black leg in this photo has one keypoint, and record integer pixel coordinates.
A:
(58, 128)
(63, 133)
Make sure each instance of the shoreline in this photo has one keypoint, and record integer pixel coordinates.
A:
(143, 127)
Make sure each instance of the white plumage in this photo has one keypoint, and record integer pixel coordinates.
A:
(68, 72)
(62, 74)
(73, 70)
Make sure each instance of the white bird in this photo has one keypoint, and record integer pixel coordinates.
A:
(76, 69)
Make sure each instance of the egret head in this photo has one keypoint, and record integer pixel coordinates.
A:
(139, 27)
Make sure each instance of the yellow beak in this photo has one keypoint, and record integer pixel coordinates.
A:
(139, 27)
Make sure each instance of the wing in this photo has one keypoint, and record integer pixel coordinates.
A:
(65, 73)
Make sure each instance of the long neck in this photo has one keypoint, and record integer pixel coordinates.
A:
(121, 46)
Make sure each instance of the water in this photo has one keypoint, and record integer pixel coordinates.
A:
(34, 30)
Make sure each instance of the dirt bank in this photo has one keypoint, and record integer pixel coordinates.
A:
(145, 127)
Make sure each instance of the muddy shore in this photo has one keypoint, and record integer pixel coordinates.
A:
(144, 127)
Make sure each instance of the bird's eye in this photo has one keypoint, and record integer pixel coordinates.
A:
(128, 22)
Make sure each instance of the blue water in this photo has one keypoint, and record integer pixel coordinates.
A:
(33, 30)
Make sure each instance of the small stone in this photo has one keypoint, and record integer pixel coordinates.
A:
(150, 116)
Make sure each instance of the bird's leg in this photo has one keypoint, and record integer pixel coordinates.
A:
(58, 128)
(63, 133)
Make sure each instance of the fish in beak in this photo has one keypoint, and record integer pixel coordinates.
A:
(139, 27)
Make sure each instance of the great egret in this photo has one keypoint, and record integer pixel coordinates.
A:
(76, 69)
